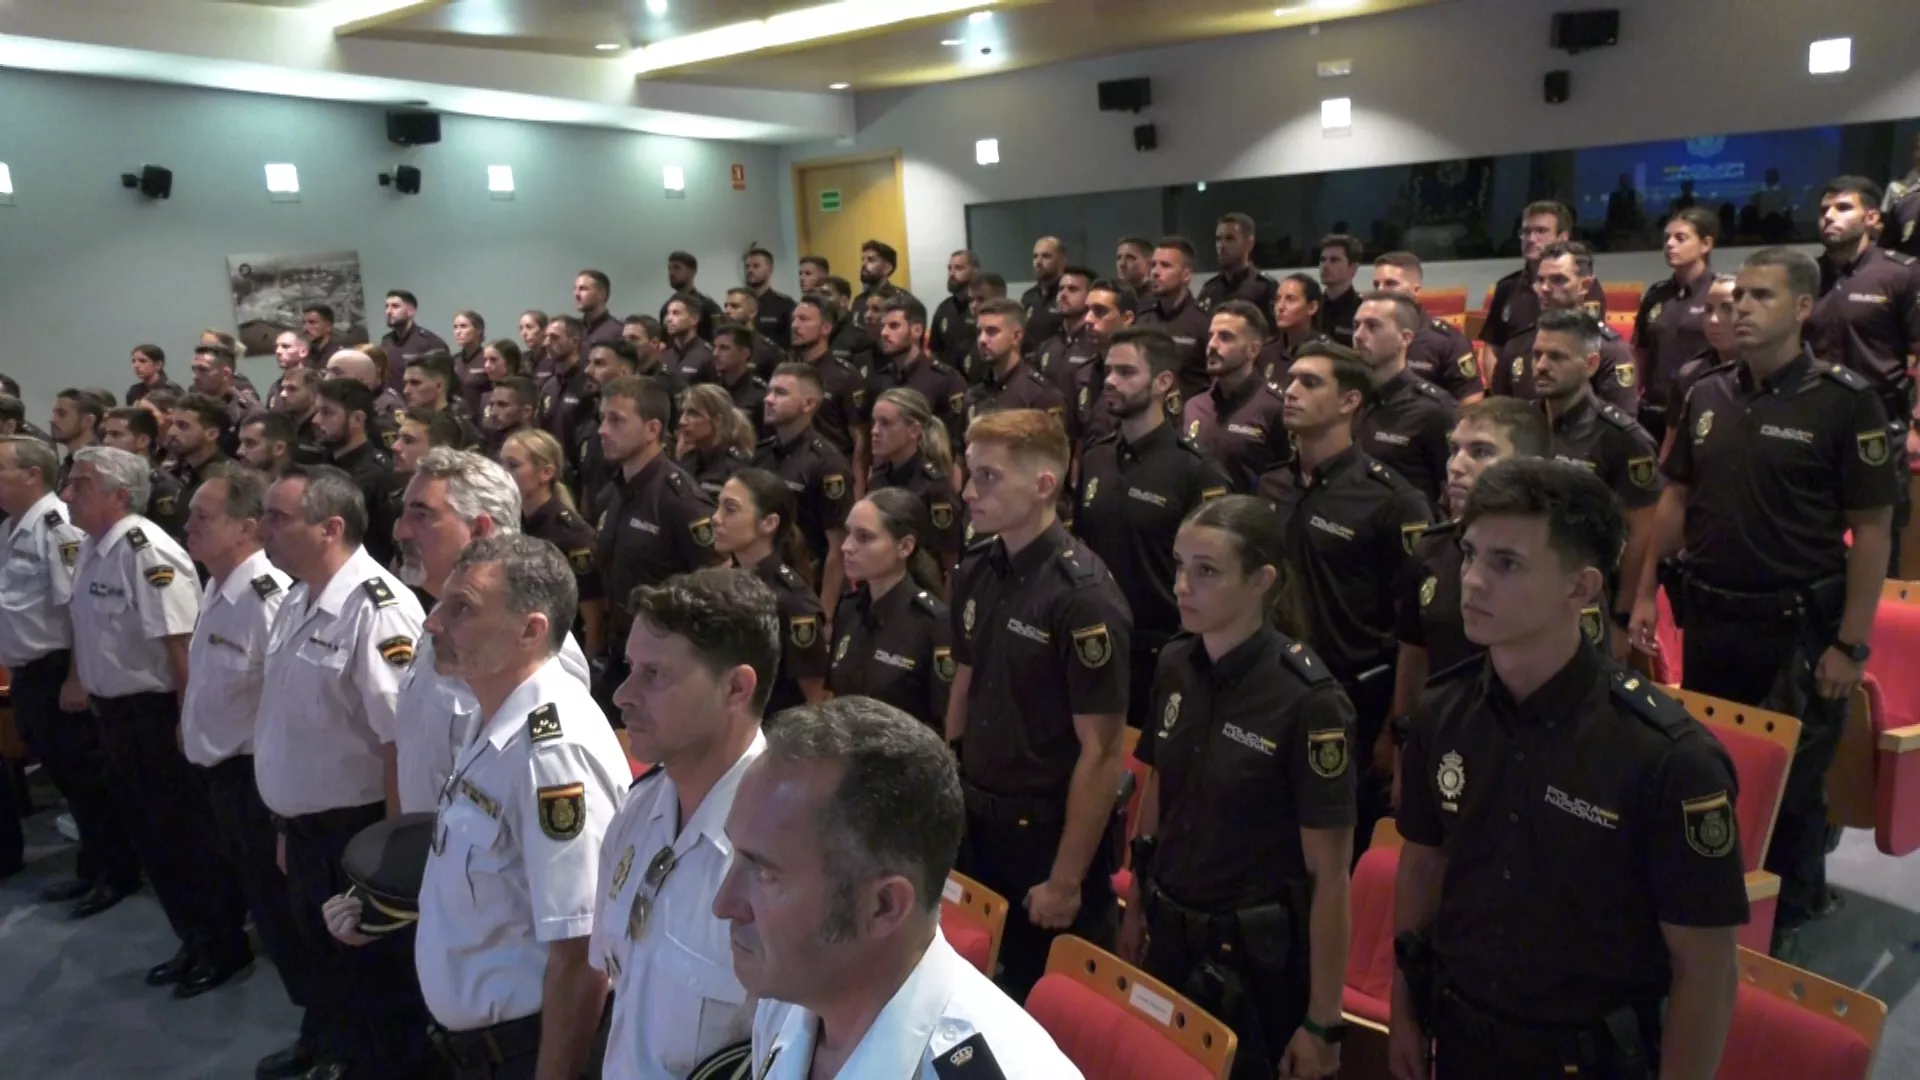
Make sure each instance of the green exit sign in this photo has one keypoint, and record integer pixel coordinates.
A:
(830, 201)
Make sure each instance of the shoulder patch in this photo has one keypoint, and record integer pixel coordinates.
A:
(970, 1060)
(676, 480)
(138, 539)
(1302, 661)
(1900, 257)
(159, 576)
(397, 650)
(1616, 416)
(377, 591)
(543, 723)
(1639, 696)
(265, 586)
(1075, 566)
(1608, 333)
(1846, 377)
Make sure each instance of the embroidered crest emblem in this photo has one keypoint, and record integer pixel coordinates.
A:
(702, 532)
(1427, 590)
(1873, 447)
(1709, 824)
(397, 651)
(159, 576)
(966, 615)
(1642, 470)
(833, 487)
(1703, 425)
(1592, 626)
(1468, 368)
(1452, 778)
(840, 650)
(1625, 375)
(1170, 713)
(1093, 488)
(1410, 535)
(1327, 753)
(1519, 366)
(943, 663)
(1093, 645)
(1193, 430)
(803, 630)
(563, 811)
(942, 515)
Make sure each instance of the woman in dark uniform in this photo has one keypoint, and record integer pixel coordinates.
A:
(533, 337)
(1246, 823)
(470, 363)
(892, 634)
(532, 457)
(911, 451)
(1294, 307)
(501, 359)
(715, 439)
(756, 522)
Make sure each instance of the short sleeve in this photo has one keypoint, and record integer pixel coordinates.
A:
(381, 656)
(1636, 480)
(1621, 386)
(963, 602)
(1210, 482)
(1678, 466)
(1320, 760)
(1165, 681)
(1405, 519)
(167, 596)
(1867, 477)
(577, 545)
(835, 494)
(693, 533)
(940, 686)
(565, 808)
(1418, 816)
(804, 648)
(1408, 627)
(1096, 634)
(61, 554)
(1693, 856)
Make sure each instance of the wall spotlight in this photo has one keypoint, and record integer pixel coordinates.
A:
(987, 151)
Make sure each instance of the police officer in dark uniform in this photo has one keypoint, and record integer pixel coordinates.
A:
(1571, 881)
(1060, 356)
(1350, 525)
(1010, 382)
(950, 332)
(893, 634)
(1515, 304)
(1172, 309)
(1868, 316)
(1670, 327)
(734, 368)
(1110, 309)
(556, 522)
(816, 472)
(754, 525)
(1237, 277)
(1237, 421)
(342, 419)
(1340, 300)
(681, 270)
(1137, 484)
(1296, 304)
(1558, 286)
(566, 394)
(903, 363)
(654, 520)
(1719, 350)
(710, 445)
(193, 437)
(1780, 456)
(1439, 353)
(910, 451)
(1246, 826)
(1405, 421)
(1040, 304)
(1042, 643)
(1900, 210)
(843, 390)
(775, 307)
(133, 429)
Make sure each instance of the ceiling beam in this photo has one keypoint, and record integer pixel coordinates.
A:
(353, 16)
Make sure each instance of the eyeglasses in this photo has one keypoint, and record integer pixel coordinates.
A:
(655, 879)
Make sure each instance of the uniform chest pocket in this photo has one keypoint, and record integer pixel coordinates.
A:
(703, 1008)
(106, 600)
(320, 653)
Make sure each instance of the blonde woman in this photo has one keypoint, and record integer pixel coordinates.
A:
(715, 439)
(533, 458)
(910, 451)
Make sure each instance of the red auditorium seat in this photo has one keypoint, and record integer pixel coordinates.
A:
(973, 917)
(1894, 712)
(1123, 877)
(1115, 1022)
(1667, 633)
(1368, 995)
(1790, 1024)
(1448, 304)
(1623, 297)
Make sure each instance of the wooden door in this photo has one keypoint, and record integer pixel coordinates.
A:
(844, 203)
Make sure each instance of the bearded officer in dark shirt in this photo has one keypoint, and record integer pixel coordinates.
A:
(1515, 304)
(1040, 303)
(1559, 936)
(342, 419)
(1237, 421)
(1405, 421)
(1063, 354)
(773, 307)
(742, 310)
(1780, 457)
(1172, 309)
(1561, 279)
(1011, 382)
(843, 387)
(1237, 278)
(133, 429)
(681, 269)
(1137, 484)
(1439, 353)
(1042, 642)
(1110, 309)
(950, 334)
(903, 324)
(1340, 300)
(821, 479)
(1350, 525)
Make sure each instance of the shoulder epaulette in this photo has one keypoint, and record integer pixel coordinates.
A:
(929, 603)
(931, 470)
(1643, 699)
(791, 579)
(1615, 415)
(1845, 376)
(677, 480)
(981, 546)
(1380, 473)
(651, 772)
(265, 586)
(738, 454)
(1110, 436)
(1608, 333)
(378, 592)
(1074, 563)
(52, 519)
(1471, 665)
(1439, 324)
(1305, 663)
(1440, 528)
(971, 1059)
(1901, 257)
(138, 539)
(543, 724)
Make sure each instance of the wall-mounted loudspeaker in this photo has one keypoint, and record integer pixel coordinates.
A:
(413, 128)
(1126, 95)
(1578, 31)
(1146, 137)
(404, 179)
(153, 181)
(1559, 87)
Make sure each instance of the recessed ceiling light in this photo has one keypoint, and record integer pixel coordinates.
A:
(791, 27)
(656, 7)
(608, 46)
(674, 178)
(500, 179)
(283, 179)
(1336, 113)
(980, 16)
(1830, 57)
(951, 42)
(838, 86)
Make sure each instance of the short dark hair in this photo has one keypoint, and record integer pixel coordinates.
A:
(728, 616)
(1309, 286)
(153, 353)
(1581, 254)
(884, 250)
(1404, 260)
(13, 410)
(1347, 243)
(574, 327)
(1178, 243)
(1124, 298)
(165, 398)
(897, 807)
(1238, 220)
(973, 259)
(741, 336)
(1349, 370)
(1085, 274)
(1563, 217)
(220, 353)
(86, 402)
(351, 395)
(1575, 323)
(992, 282)
(599, 278)
(139, 421)
(299, 376)
(819, 261)
(648, 325)
(509, 351)
(207, 412)
(1406, 310)
(438, 366)
(909, 305)
(650, 401)
(827, 306)
(325, 311)
(686, 300)
(1255, 319)
(442, 428)
(1584, 522)
(1139, 243)
(526, 393)
(1154, 345)
(1004, 308)
(1522, 422)
(1704, 222)
(839, 286)
(404, 296)
(1803, 273)
(802, 371)
(622, 350)
(274, 427)
(331, 493)
(760, 251)
(1869, 191)
(684, 258)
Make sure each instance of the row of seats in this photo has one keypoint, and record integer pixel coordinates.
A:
(1622, 304)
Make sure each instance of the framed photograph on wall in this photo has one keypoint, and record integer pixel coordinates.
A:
(270, 291)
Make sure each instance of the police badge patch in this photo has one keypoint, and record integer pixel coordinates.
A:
(581, 559)
(397, 651)
(1170, 714)
(833, 487)
(1592, 626)
(563, 811)
(1625, 376)
(1642, 470)
(1410, 536)
(702, 532)
(1327, 753)
(943, 664)
(1093, 645)
(1519, 366)
(966, 617)
(1428, 588)
(1093, 488)
(803, 630)
(943, 515)
(1703, 425)
(1709, 824)
(1193, 430)
(1468, 368)
(1452, 778)
(70, 553)
(159, 576)
(1873, 447)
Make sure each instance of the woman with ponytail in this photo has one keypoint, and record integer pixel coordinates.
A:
(756, 523)
(1247, 816)
(715, 440)
(910, 451)
(892, 635)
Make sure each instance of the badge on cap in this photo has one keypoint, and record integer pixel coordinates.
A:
(1709, 824)
(563, 811)
(397, 651)
(1093, 645)
(1327, 753)
(943, 664)
(1873, 446)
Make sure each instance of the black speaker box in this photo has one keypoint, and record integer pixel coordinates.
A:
(1578, 31)
(1146, 137)
(153, 181)
(1126, 95)
(406, 180)
(413, 128)
(1559, 87)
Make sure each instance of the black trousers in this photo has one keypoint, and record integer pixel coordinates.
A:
(1264, 1008)
(69, 746)
(13, 841)
(247, 841)
(366, 1006)
(1010, 859)
(1743, 661)
(163, 800)
(1373, 795)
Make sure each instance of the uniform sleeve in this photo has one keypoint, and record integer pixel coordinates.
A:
(1209, 481)
(563, 812)
(1678, 466)
(835, 493)
(167, 596)
(1495, 331)
(1867, 464)
(1408, 628)
(956, 614)
(1621, 386)
(940, 686)
(577, 545)
(1418, 817)
(1433, 446)
(381, 656)
(1459, 373)
(1094, 633)
(62, 554)
(693, 533)
(1642, 324)
(1636, 480)
(1165, 681)
(1500, 379)
(1907, 304)
(1692, 835)
(1403, 521)
(803, 650)
(1319, 761)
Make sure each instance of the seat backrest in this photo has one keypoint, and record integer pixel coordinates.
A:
(973, 917)
(1896, 644)
(1761, 744)
(1115, 1022)
(1446, 304)
(1370, 960)
(1623, 296)
(1793, 1023)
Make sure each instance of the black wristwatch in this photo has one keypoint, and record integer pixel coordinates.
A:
(1331, 1034)
(1142, 849)
(1856, 653)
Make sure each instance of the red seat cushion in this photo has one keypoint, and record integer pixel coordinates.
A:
(1369, 990)
(968, 938)
(1773, 1039)
(1896, 642)
(1106, 1041)
(1761, 769)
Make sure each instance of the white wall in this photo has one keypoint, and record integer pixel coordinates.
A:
(88, 269)
(1446, 81)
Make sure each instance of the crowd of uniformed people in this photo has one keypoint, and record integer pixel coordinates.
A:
(875, 592)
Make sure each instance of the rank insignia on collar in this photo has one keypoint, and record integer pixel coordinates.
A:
(702, 532)
(563, 811)
(1327, 753)
(377, 591)
(137, 538)
(1410, 535)
(264, 586)
(943, 665)
(397, 651)
(1642, 470)
(1427, 590)
(1873, 446)
(803, 630)
(159, 576)
(1709, 824)
(543, 723)
(1170, 713)
(1093, 645)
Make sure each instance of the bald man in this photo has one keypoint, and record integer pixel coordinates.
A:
(389, 408)
(1049, 262)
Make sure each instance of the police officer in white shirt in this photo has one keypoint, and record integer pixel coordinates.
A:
(323, 760)
(228, 658)
(36, 639)
(135, 599)
(703, 653)
(506, 903)
(844, 832)
(453, 498)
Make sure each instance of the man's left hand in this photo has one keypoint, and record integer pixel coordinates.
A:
(1837, 674)
(1052, 906)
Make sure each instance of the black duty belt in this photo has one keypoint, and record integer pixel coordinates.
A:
(507, 1041)
(1823, 597)
(1617, 1041)
(1014, 809)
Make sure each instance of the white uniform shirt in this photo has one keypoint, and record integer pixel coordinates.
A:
(438, 718)
(333, 676)
(944, 1003)
(36, 582)
(675, 998)
(131, 588)
(228, 661)
(516, 849)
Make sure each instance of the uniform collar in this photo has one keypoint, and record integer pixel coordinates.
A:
(240, 582)
(49, 501)
(1843, 269)
(1557, 698)
(1034, 555)
(647, 472)
(528, 696)
(710, 817)
(1790, 375)
(539, 518)
(993, 383)
(1168, 314)
(881, 611)
(1700, 283)
(112, 536)
(897, 1042)
(1240, 660)
(1233, 279)
(1330, 468)
(1395, 386)
(1160, 437)
(768, 569)
(897, 474)
(358, 568)
(1579, 416)
(1225, 401)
